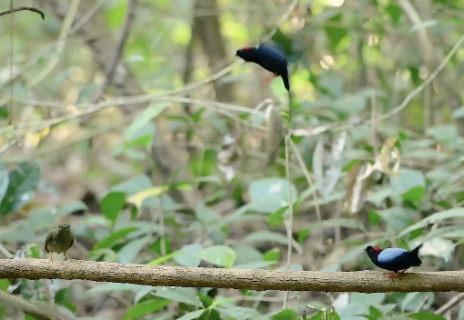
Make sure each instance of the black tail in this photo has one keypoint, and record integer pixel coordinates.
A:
(284, 76)
(414, 254)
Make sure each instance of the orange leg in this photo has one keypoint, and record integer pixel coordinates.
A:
(391, 275)
(402, 271)
(268, 79)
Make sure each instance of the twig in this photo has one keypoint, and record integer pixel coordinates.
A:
(252, 279)
(288, 220)
(10, 102)
(23, 8)
(454, 301)
(112, 63)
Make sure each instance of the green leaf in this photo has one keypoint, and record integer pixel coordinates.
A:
(4, 181)
(144, 308)
(206, 215)
(72, 207)
(222, 256)
(394, 11)
(458, 113)
(113, 237)
(238, 313)
(24, 180)
(114, 15)
(410, 184)
(446, 133)
(436, 217)
(112, 203)
(271, 194)
(188, 256)
(109, 287)
(285, 314)
(184, 295)
(129, 252)
(413, 300)
(192, 315)
(266, 236)
(334, 33)
(438, 247)
(146, 116)
(425, 316)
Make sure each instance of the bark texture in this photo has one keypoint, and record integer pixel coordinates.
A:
(259, 280)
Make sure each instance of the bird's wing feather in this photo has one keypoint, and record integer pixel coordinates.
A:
(47, 240)
(389, 254)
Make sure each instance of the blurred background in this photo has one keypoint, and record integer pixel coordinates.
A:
(134, 122)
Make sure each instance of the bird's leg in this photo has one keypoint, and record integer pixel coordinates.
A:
(268, 79)
(402, 271)
(391, 275)
(50, 256)
(65, 258)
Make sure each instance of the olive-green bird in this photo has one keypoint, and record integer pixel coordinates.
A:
(59, 240)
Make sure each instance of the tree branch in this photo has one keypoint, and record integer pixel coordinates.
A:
(259, 280)
(12, 10)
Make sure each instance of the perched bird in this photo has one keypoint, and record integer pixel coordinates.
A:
(394, 259)
(268, 58)
(59, 240)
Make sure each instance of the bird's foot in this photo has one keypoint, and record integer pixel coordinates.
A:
(391, 275)
(50, 257)
(268, 79)
(402, 271)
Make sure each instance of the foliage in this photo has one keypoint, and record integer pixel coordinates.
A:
(353, 182)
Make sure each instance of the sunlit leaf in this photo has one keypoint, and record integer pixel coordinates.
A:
(138, 198)
(192, 315)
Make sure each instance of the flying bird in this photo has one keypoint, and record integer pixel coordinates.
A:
(394, 259)
(59, 240)
(270, 59)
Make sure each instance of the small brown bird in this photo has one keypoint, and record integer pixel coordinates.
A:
(59, 240)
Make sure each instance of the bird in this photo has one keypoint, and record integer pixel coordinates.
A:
(59, 240)
(270, 59)
(394, 259)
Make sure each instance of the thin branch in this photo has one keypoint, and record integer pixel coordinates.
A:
(10, 102)
(23, 8)
(444, 308)
(113, 62)
(253, 279)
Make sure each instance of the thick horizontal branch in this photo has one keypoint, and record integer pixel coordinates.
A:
(12, 10)
(259, 280)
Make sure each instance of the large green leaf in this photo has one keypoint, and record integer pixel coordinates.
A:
(188, 256)
(335, 33)
(111, 204)
(129, 252)
(113, 237)
(409, 184)
(270, 194)
(222, 256)
(184, 295)
(192, 315)
(24, 180)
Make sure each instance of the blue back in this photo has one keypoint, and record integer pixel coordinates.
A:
(390, 254)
